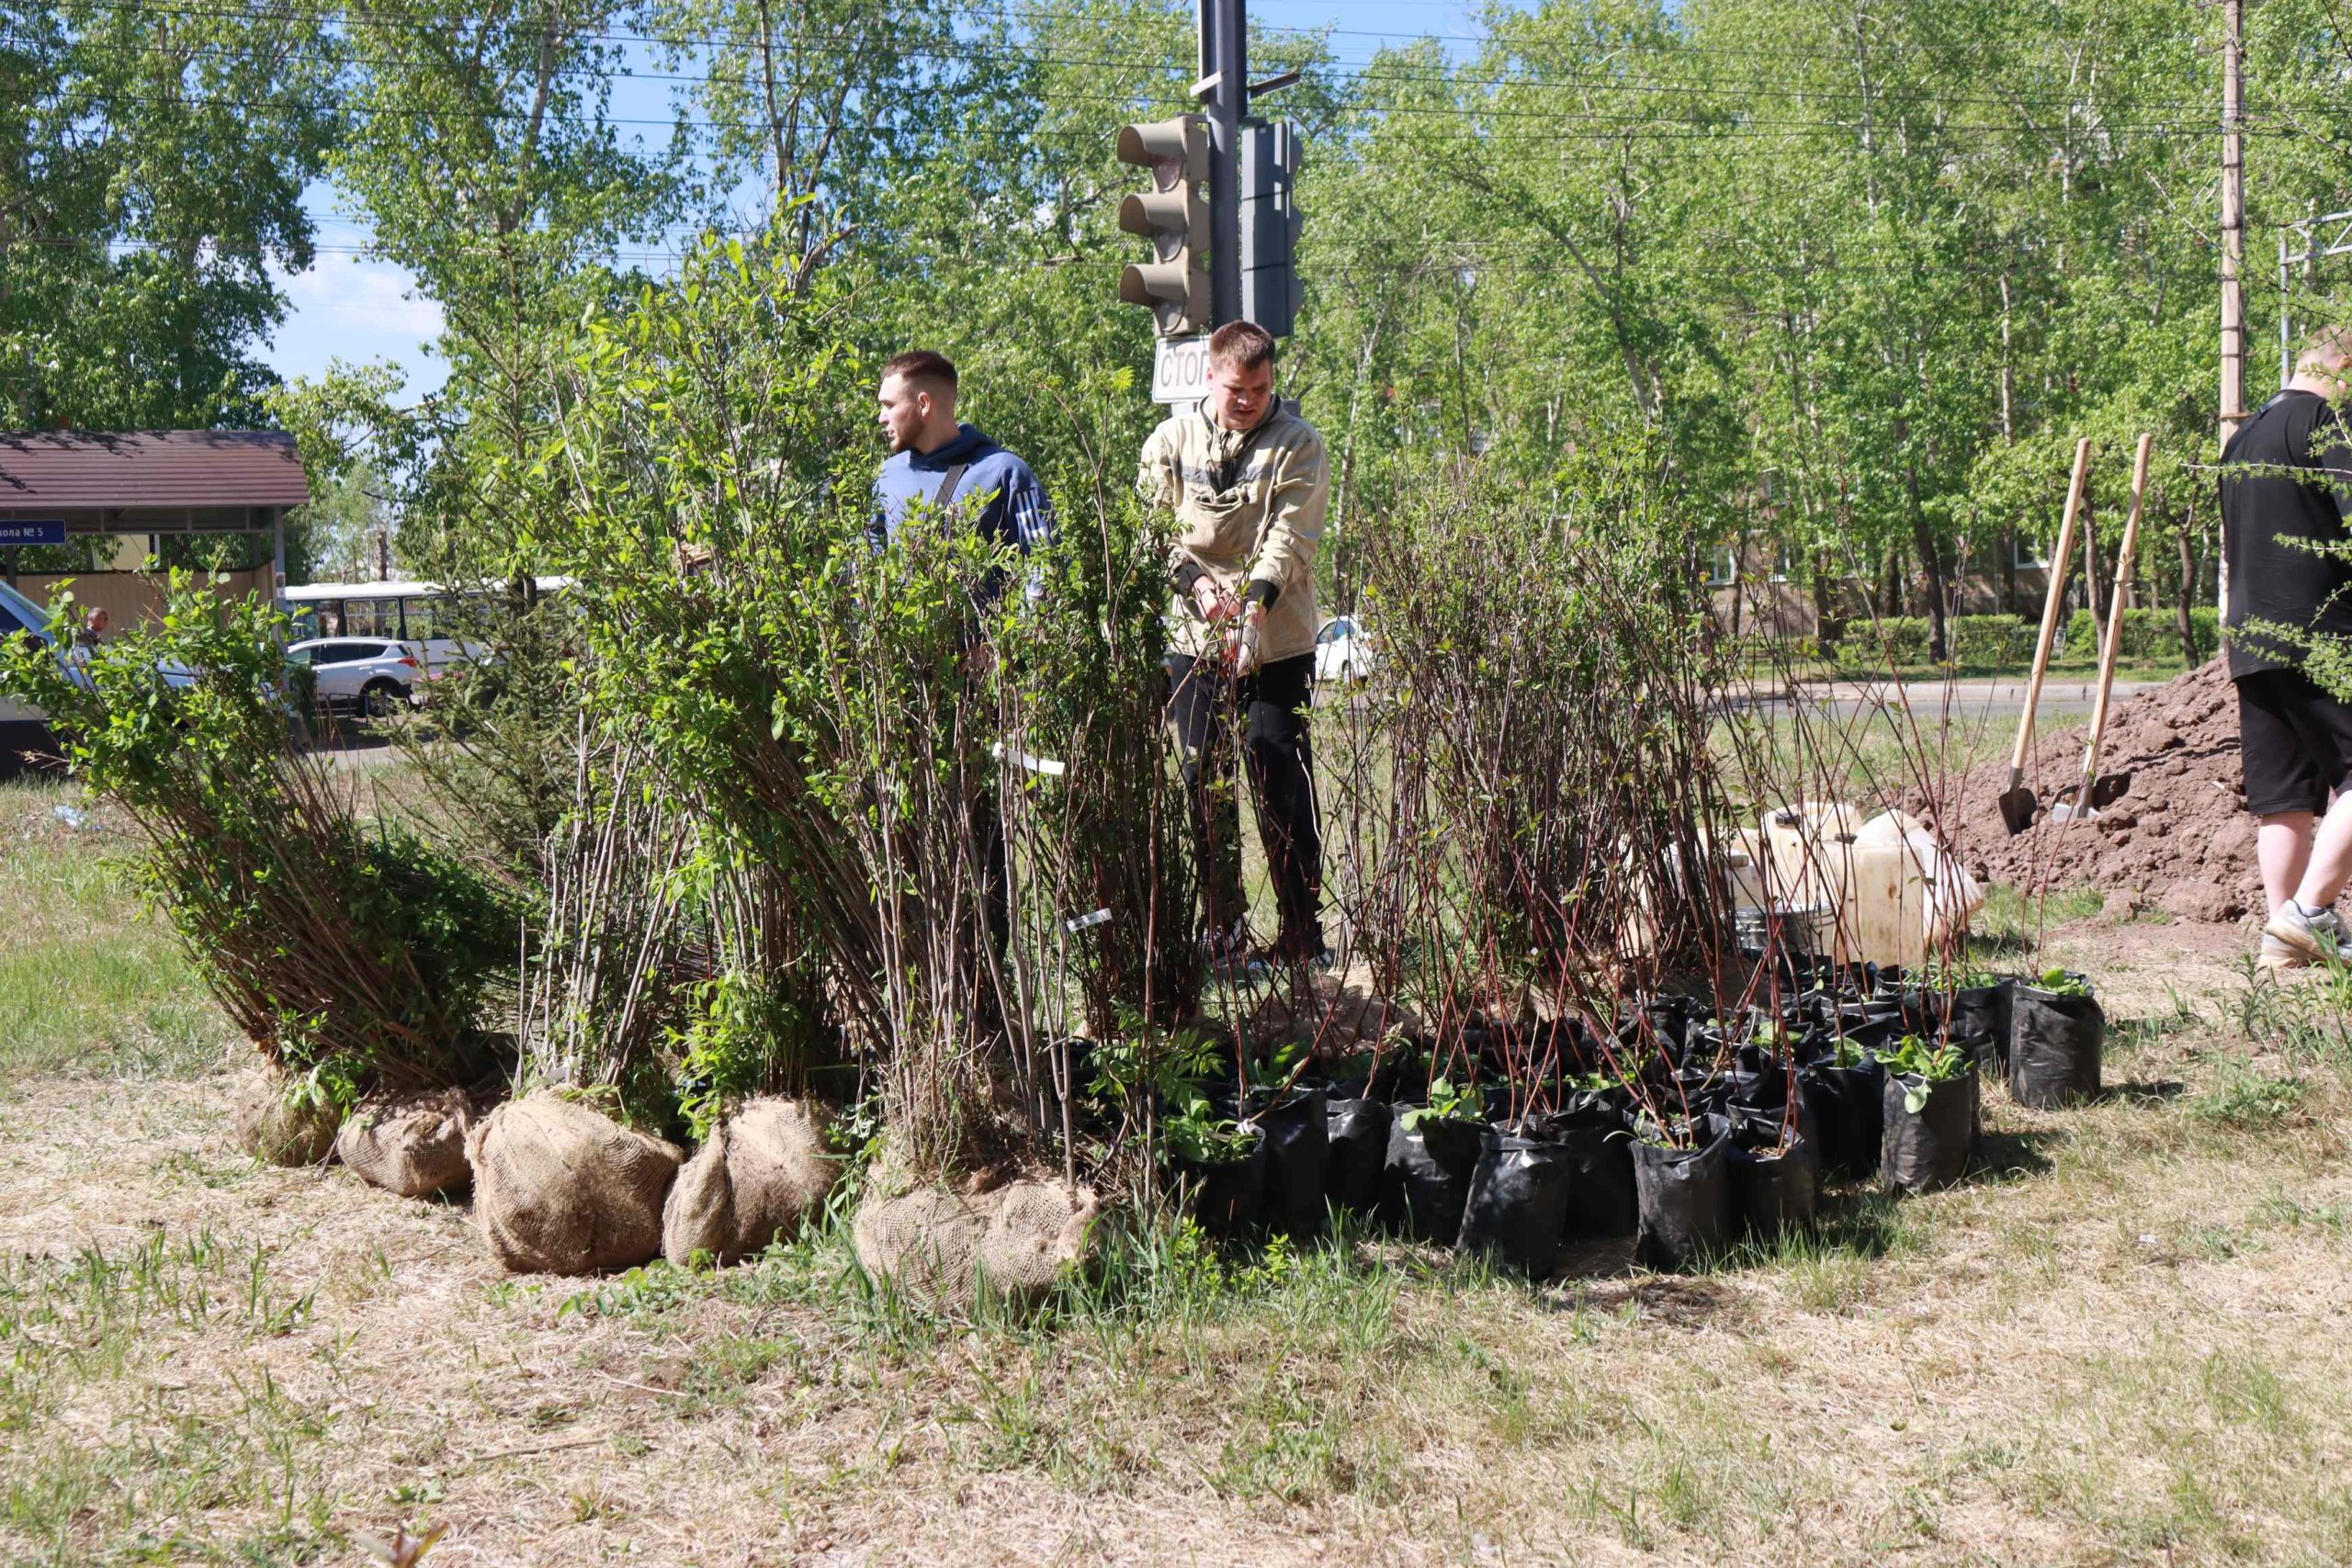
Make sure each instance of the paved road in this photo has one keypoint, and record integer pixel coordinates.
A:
(1965, 701)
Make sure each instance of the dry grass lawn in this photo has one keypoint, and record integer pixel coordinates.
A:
(2128, 1337)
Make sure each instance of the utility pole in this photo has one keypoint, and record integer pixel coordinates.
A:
(1223, 91)
(2232, 217)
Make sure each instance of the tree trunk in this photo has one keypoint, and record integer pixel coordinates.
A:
(1931, 566)
(2090, 566)
(2182, 620)
(1823, 611)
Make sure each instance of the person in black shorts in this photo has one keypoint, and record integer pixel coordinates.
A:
(2286, 488)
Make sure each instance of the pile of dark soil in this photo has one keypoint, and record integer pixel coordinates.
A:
(2181, 841)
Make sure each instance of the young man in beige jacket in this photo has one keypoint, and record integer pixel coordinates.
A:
(1249, 482)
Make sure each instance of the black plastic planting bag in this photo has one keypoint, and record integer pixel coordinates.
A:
(1427, 1177)
(1519, 1196)
(1228, 1196)
(1761, 1098)
(1685, 1202)
(1927, 1147)
(1848, 1115)
(1357, 1133)
(2054, 1047)
(1981, 1014)
(1774, 1191)
(1919, 1010)
(1593, 1138)
(1296, 1139)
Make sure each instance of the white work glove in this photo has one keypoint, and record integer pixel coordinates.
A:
(1245, 638)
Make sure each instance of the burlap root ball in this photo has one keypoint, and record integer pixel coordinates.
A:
(561, 1188)
(413, 1145)
(937, 1245)
(275, 1130)
(764, 1173)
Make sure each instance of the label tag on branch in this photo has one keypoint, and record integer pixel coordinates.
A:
(1081, 922)
(1045, 766)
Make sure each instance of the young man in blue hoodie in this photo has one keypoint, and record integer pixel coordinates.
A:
(937, 464)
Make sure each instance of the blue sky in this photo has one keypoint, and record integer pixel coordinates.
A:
(353, 307)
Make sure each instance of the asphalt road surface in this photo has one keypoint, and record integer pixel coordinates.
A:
(1965, 701)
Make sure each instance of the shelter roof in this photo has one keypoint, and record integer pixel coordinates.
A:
(142, 470)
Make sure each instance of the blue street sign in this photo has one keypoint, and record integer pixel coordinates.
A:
(49, 532)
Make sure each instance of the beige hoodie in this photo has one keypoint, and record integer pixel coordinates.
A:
(1260, 527)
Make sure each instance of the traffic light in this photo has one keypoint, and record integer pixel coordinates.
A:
(1271, 295)
(1174, 217)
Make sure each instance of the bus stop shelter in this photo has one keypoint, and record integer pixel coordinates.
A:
(59, 485)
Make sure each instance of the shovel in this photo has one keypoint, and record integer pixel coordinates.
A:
(2094, 794)
(2018, 804)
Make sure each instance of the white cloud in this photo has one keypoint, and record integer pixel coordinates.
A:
(373, 296)
(356, 311)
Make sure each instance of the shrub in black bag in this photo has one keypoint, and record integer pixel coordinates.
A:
(1518, 1203)
(1921, 1010)
(2055, 1040)
(1296, 1139)
(1982, 1013)
(1927, 1146)
(1227, 1195)
(1592, 1132)
(1773, 1187)
(1849, 1115)
(1685, 1198)
(1357, 1133)
(1426, 1179)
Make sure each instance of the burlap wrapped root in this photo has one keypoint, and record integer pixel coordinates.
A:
(561, 1188)
(937, 1245)
(413, 1145)
(763, 1174)
(277, 1128)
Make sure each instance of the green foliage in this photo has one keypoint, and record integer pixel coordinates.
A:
(2147, 634)
(2249, 1101)
(1867, 646)
(1979, 641)
(1448, 1101)
(152, 163)
(352, 954)
(740, 1024)
(1194, 1133)
(1919, 1063)
(2061, 982)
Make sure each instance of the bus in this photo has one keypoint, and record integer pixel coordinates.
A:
(426, 614)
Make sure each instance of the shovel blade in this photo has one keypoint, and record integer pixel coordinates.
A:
(2108, 788)
(2018, 810)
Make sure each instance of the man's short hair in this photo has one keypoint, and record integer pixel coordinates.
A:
(922, 365)
(2329, 348)
(1241, 345)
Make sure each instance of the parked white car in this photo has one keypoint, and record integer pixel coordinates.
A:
(373, 675)
(1343, 651)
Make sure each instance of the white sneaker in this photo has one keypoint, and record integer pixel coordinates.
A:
(2311, 937)
(2277, 955)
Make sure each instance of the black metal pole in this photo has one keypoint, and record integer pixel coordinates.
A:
(1224, 65)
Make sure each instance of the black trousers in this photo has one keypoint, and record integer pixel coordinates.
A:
(1272, 706)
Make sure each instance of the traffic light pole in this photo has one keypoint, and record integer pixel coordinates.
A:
(1224, 92)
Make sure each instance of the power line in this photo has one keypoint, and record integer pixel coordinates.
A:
(1674, 47)
(1696, 122)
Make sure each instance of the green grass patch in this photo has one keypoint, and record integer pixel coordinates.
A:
(90, 982)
